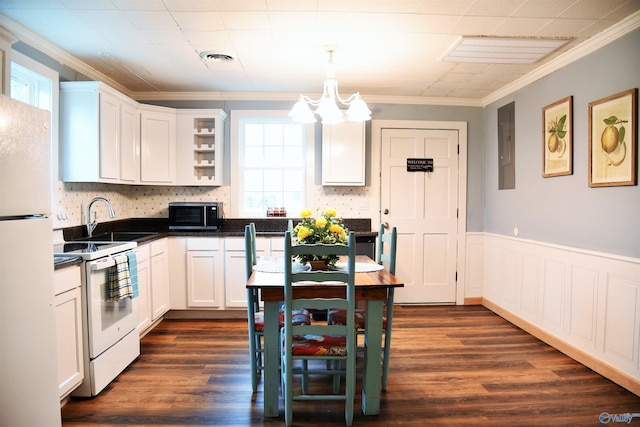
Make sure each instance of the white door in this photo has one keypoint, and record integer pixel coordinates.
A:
(423, 206)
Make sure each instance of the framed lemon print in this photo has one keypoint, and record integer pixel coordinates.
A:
(557, 138)
(612, 140)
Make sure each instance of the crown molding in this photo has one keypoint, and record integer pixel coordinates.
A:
(292, 97)
(607, 36)
(45, 46)
(630, 23)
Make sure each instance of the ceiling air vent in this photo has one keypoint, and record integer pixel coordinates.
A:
(215, 56)
(501, 50)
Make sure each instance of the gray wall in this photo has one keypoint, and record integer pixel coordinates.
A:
(565, 210)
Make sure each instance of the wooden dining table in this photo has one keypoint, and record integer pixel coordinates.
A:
(371, 287)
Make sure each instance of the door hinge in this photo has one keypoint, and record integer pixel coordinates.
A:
(456, 276)
(458, 149)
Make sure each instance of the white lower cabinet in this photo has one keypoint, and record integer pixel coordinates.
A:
(160, 294)
(235, 276)
(153, 298)
(205, 277)
(210, 273)
(68, 310)
(143, 300)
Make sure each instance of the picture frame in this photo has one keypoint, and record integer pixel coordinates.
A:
(613, 140)
(557, 138)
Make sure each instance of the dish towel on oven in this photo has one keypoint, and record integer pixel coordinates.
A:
(133, 273)
(120, 279)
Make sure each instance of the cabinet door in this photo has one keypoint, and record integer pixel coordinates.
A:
(129, 144)
(109, 137)
(343, 154)
(160, 302)
(69, 339)
(143, 301)
(157, 147)
(204, 278)
(235, 277)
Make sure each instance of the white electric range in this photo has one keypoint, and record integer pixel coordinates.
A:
(110, 339)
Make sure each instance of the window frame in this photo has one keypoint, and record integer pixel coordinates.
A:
(237, 119)
(47, 74)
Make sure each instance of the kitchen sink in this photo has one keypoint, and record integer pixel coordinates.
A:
(120, 236)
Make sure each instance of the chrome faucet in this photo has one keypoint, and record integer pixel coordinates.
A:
(91, 225)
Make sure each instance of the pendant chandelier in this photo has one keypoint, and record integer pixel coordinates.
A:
(327, 107)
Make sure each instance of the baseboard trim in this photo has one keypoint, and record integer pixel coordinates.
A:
(473, 301)
(607, 371)
(206, 314)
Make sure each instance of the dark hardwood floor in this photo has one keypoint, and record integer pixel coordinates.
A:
(450, 366)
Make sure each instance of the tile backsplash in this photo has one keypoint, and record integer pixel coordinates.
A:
(136, 201)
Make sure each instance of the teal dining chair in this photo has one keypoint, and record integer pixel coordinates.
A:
(386, 244)
(255, 316)
(323, 342)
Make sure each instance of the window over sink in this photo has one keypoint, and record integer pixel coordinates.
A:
(272, 161)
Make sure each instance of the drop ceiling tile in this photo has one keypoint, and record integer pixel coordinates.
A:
(449, 7)
(478, 25)
(104, 19)
(199, 21)
(89, 5)
(218, 41)
(292, 5)
(241, 5)
(591, 9)
(191, 5)
(245, 20)
(36, 4)
(43, 21)
(563, 27)
(543, 8)
(292, 21)
(165, 37)
(139, 4)
(521, 27)
(151, 20)
(493, 7)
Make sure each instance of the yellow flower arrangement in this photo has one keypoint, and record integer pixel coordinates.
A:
(326, 228)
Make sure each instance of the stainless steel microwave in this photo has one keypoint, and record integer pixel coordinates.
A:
(195, 216)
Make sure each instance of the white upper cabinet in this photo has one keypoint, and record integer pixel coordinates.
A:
(157, 145)
(99, 134)
(108, 137)
(200, 152)
(343, 154)
(129, 144)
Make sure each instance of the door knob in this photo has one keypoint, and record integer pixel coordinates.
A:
(386, 212)
(385, 225)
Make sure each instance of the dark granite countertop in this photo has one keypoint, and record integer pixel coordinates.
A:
(232, 227)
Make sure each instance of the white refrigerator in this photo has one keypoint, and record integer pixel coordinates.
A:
(28, 363)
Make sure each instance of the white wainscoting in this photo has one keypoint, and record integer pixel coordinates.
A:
(586, 304)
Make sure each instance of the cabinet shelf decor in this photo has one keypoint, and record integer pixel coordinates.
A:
(201, 142)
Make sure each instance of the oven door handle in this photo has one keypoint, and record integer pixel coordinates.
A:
(103, 265)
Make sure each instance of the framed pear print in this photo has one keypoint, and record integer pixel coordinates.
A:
(557, 138)
(612, 140)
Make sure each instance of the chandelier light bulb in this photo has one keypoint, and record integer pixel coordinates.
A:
(327, 107)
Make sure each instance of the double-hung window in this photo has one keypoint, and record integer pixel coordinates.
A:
(273, 163)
